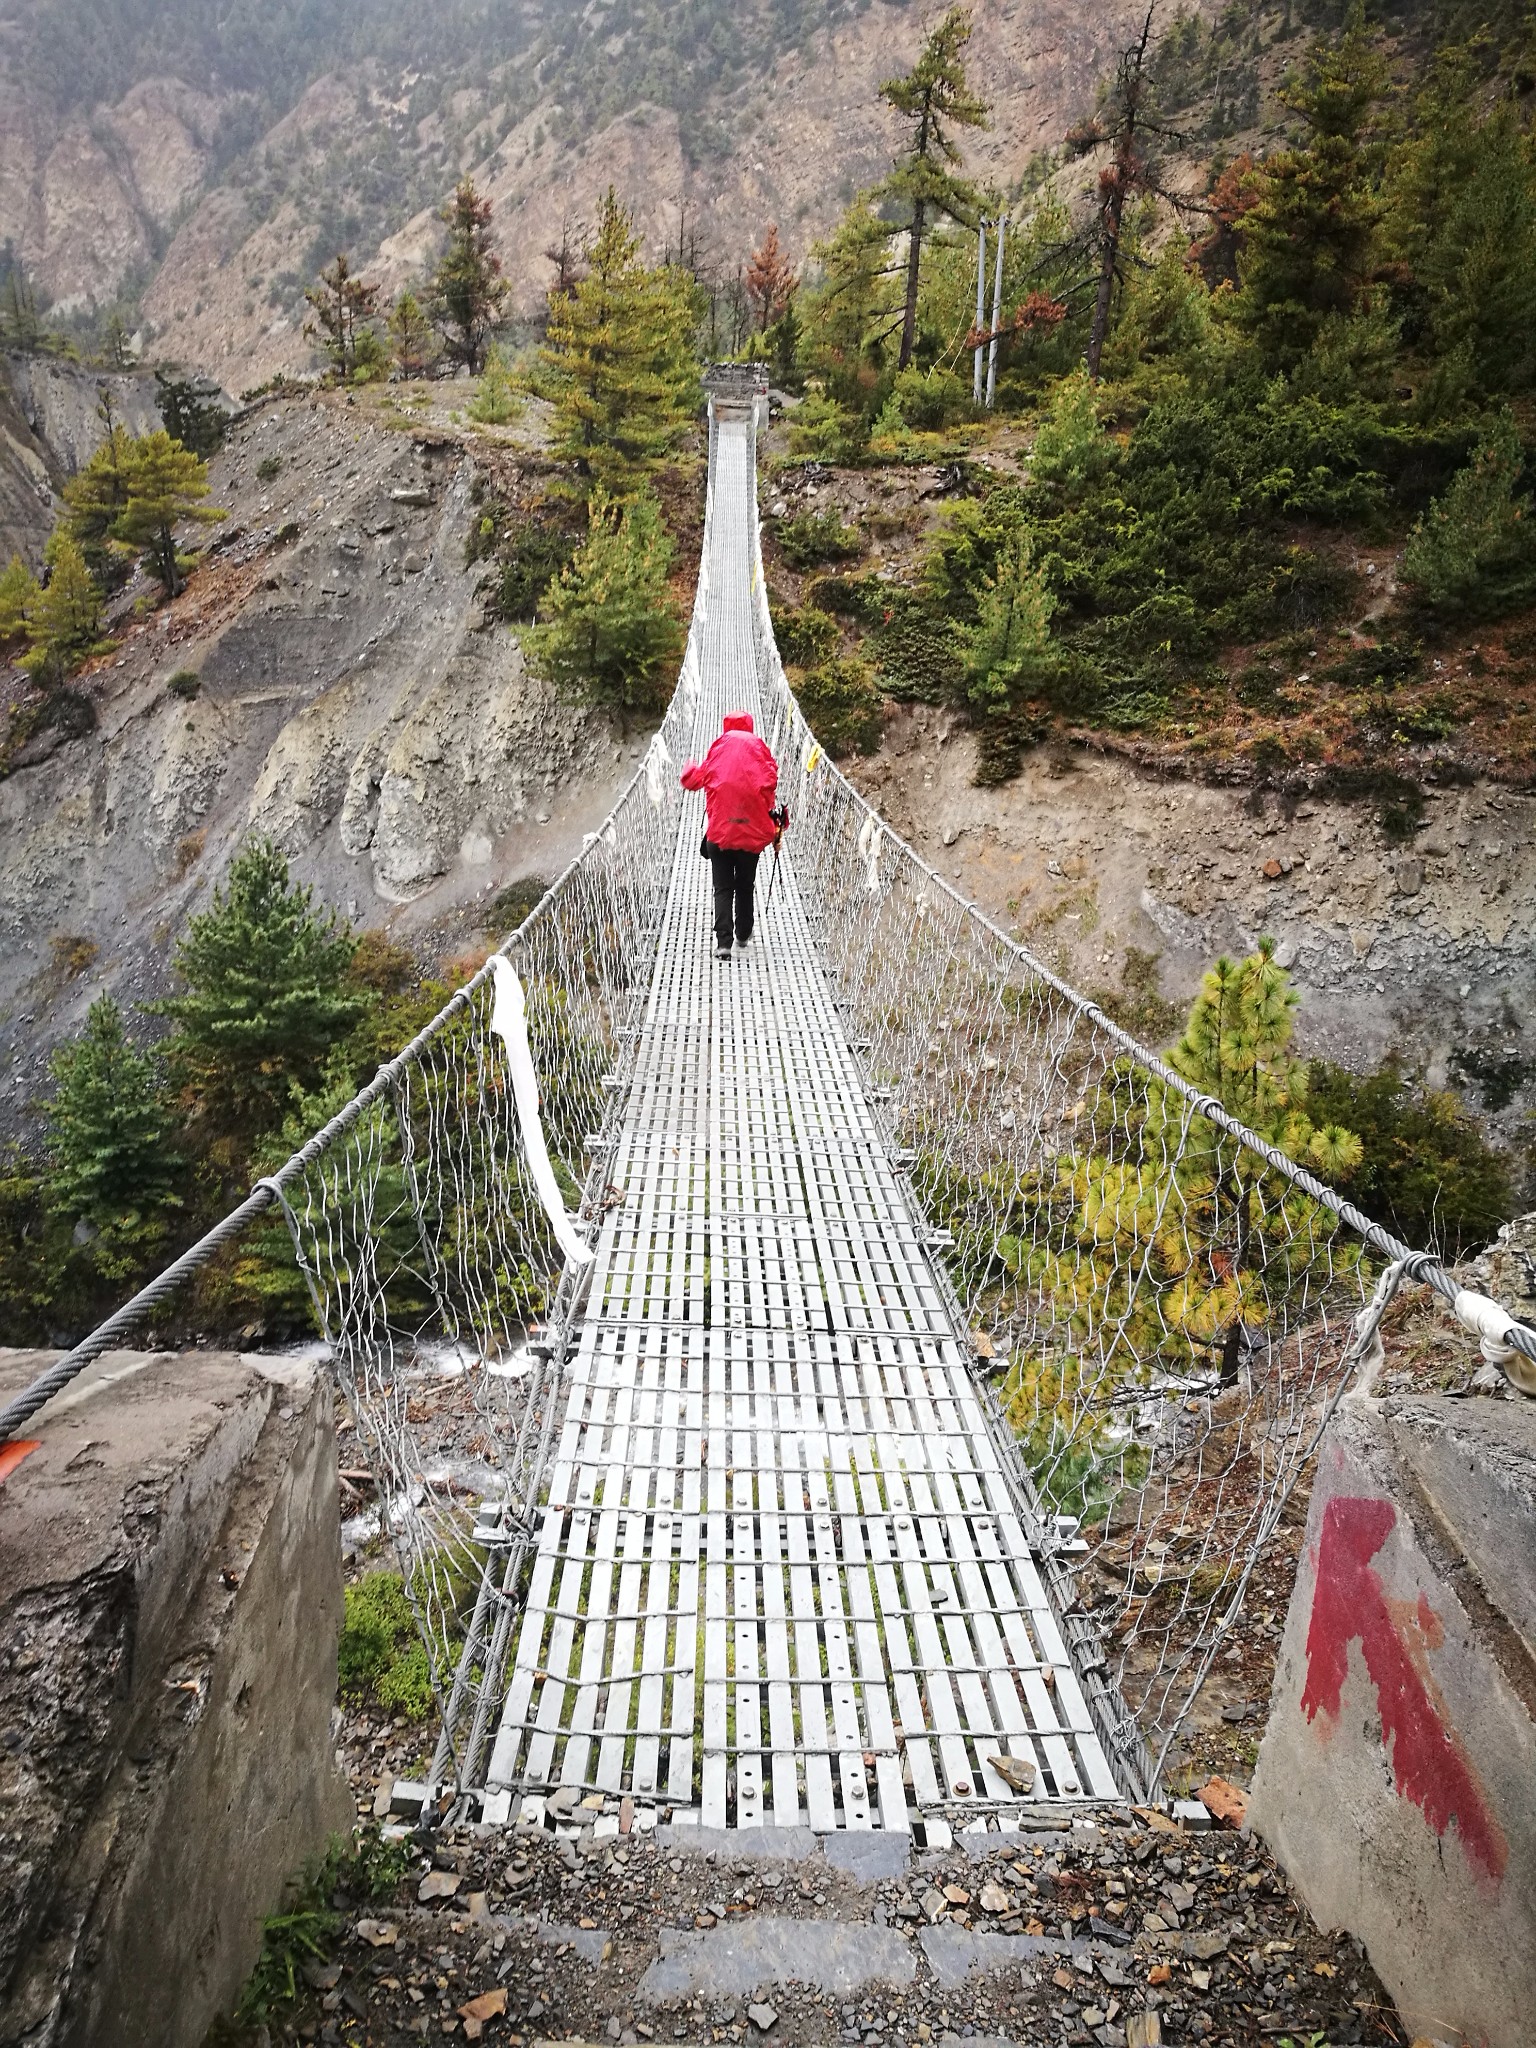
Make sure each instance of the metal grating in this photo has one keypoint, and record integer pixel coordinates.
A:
(782, 1573)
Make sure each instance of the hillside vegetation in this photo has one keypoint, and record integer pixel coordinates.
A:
(1279, 534)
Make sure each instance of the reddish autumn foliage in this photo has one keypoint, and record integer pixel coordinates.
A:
(1232, 196)
(770, 278)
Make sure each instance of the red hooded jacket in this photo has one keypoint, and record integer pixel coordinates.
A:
(738, 777)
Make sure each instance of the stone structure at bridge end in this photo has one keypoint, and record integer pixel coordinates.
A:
(170, 1599)
(1395, 1779)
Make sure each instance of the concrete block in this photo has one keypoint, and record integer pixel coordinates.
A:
(170, 1600)
(1394, 1780)
(767, 1949)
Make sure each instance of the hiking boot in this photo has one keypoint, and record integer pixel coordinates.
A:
(744, 943)
(722, 952)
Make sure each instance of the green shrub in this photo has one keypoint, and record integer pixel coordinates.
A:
(1002, 736)
(510, 906)
(1071, 447)
(1393, 662)
(917, 650)
(270, 466)
(864, 599)
(185, 683)
(529, 554)
(1473, 554)
(812, 537)
(805, 635)
(1428, 1173)
(822, 430)
(842, 705)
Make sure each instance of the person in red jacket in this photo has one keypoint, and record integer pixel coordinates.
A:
(739, 777)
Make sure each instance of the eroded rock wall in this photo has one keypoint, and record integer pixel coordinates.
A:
(330, 679)
(170, 1600)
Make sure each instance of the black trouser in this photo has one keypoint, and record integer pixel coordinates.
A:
(734, 875)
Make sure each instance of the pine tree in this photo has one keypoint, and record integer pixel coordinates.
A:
(343, 306)
(95, 498)
(1009, 648)
(934, 97)
(566, 255)
(770, 279)
(611, 634)
(1459, 237)
(166, 484)
(467, 298)
(618, 361)
(1308, 239)
(411, 339)
(112, 1164)
(193, 410)
(1473, 554)
(18, 590)
(116, 351)
(267, 995)
(1127, 124)
(1182, 1237)
(21, 325)
(63, 616)
(853, 308)
(495, 403)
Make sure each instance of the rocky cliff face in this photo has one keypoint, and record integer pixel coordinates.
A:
(329, 679)
(1429, 950)
(135, 190)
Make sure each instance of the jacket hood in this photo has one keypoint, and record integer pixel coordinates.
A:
(737, 721)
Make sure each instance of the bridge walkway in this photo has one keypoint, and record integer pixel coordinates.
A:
(781, 1575)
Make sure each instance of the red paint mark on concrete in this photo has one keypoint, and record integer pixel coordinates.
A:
(11, 1454)
(1429, 1765)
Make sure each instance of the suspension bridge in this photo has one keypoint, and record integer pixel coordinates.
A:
(866, 1271)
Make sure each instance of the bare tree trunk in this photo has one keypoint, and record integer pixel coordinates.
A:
(1114, 212)
(1130, 81)
(914, 262)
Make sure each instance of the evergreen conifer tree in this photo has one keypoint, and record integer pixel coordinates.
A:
(1473, 554)
(618, 361)
(192, 409)
(267, 995)
(935, 98)
(94, 500)
(1009, 648)
(18, 590)
(115, 350)
(854, 306)
(411, 339)
(166, 484)
(1460, 233)
(495, 403)
(63, 616)
(467, 298)
(111, 1162)
(1182, 1234)
(1308, 239)
(343, 306)
(21, 325)
(611, 634)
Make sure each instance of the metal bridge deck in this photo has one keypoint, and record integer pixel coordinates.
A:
(781, 1576)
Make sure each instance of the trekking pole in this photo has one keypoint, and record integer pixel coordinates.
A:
(780, 819)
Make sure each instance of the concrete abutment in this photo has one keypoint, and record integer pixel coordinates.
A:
(170, 1601)
(1395, 1782)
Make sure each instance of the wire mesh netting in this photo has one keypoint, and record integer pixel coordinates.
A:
(1160, 1305)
